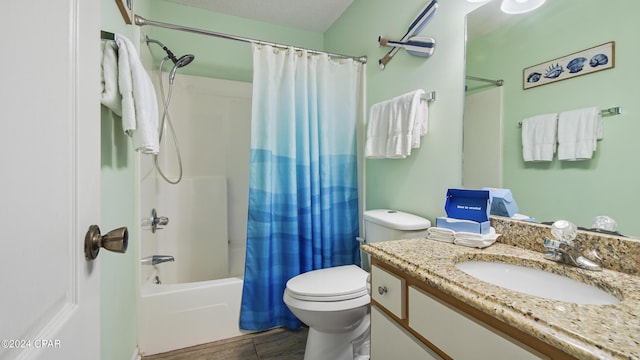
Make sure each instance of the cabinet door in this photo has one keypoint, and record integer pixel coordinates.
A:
(458, 335)
(390, 341)
(388, 290)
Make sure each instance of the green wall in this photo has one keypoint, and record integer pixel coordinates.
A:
(417, 184)
(119, 272)
(576, 191)
(215, 57)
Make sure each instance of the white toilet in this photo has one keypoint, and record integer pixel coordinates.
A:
(334, 302)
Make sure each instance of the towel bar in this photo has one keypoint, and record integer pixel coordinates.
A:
(616, 110)
(430, 96)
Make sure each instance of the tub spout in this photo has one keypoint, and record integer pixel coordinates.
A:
(156, 259)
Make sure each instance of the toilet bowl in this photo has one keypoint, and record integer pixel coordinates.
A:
(334, 302)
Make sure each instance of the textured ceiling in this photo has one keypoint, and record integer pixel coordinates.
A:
(310, 15)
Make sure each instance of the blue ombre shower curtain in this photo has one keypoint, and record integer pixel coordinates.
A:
(303, 187)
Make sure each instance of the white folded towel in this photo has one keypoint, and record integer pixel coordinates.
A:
(377, 131)
(420, 112)
(475, 240)
(139, 102)
(539, 137)
(440, 234)
(110, 96)
(396, 125)
(578, 132)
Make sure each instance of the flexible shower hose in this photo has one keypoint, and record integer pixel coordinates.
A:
(166, 119)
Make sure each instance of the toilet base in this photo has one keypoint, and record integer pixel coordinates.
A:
(339, 345)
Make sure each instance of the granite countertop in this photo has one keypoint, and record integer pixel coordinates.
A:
(583, 331)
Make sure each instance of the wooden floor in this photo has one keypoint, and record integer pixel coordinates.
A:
(278, 344)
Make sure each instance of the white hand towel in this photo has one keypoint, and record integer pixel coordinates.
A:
(578, 132)
(377, 132)
(396, 125)
(420, 112)
(125, 85)
(475, 240)
(139, 103)
(440, 234)
(400, 127)
(539, 137)
(110, 96)
(406, 123)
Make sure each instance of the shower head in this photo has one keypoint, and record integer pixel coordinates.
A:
(181, 62)
(184, 60)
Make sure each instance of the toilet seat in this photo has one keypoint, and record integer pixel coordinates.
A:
(338, 283)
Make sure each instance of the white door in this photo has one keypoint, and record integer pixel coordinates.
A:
(49, 178)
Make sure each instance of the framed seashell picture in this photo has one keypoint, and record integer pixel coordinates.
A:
(584, 62)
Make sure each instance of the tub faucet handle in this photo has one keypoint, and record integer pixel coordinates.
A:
(157, 220)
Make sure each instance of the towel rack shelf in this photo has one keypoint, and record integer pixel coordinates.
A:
(616, 110)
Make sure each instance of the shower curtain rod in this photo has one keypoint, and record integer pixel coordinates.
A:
(496, 82)
(140, 21)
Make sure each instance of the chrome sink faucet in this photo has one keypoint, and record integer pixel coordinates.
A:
(563, 248)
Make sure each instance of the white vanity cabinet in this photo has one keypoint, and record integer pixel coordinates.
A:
(409, 322)
(389, 339)
(459, 335)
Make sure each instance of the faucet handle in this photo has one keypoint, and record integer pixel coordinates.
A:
(157, 220)
(564, 231)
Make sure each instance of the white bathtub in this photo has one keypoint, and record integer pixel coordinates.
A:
(186, 314)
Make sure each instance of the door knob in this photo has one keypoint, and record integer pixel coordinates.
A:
(115, 240)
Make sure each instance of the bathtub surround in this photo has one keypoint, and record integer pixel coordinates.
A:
(303, 191)
(199, 298)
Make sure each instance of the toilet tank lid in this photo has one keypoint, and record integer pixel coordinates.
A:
(396, 219)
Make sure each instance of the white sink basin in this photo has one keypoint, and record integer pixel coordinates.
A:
(537, 283)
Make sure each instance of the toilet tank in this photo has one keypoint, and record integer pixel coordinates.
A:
(385, 224)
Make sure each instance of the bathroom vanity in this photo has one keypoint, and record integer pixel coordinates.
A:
(424, 307)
